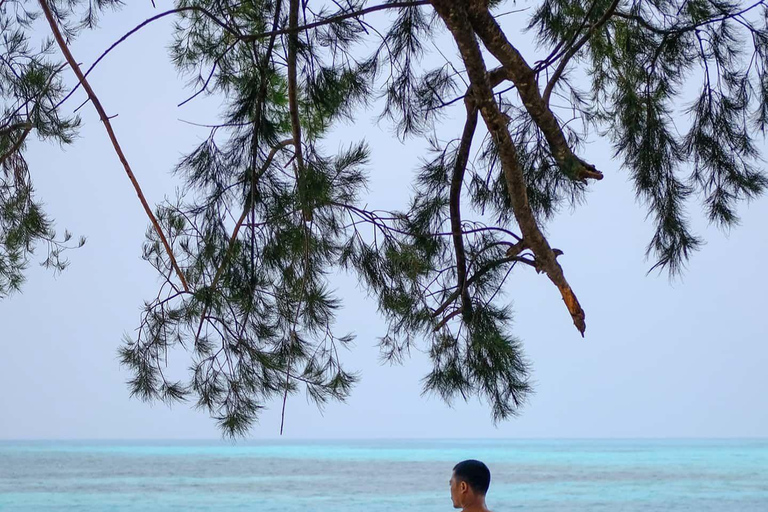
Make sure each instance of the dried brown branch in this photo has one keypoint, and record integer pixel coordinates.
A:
(108, 126)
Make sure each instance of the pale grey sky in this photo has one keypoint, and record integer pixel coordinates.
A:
(660, 359)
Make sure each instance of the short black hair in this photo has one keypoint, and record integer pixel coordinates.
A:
(475, 473)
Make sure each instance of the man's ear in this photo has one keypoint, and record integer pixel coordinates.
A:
(463, 487)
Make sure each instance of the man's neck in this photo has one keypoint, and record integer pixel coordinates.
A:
(478, 506)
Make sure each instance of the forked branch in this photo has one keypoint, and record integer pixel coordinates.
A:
(456, 17)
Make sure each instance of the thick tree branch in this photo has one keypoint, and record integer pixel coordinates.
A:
(108, 126)
(524, 77)
(456, 17)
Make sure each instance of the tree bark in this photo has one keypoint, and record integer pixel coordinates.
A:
(457, 181)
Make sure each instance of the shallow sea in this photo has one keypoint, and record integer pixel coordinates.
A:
(403, 476)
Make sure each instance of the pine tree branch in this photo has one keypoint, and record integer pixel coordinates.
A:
(448, 317)
(27, 125)
(457, 19)
(233, 238)
(524, 77)
(263, 89)
(477, 275)
(215, 64)
(462, 158)
(685, 28)
(557, 51)
(370, 217)
(108, 126)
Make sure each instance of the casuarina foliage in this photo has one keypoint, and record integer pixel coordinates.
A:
(267, 216)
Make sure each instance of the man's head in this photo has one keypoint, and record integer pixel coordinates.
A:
(469, 483)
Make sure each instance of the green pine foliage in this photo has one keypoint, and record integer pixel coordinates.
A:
(268, 216)
(30, 91)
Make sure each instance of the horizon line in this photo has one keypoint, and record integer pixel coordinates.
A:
(380, 438)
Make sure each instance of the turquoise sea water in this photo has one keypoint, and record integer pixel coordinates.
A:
(403, 476)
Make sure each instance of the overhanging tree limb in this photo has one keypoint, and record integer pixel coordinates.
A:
(426, 264)
(455, 16)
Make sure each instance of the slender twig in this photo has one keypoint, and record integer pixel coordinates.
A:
(108, 126)
(334, 19)
(557, 52)
(210, 75)
(477, 275)
(139, 27)
(574, 49)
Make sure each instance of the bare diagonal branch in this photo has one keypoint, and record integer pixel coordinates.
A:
(108, 126)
